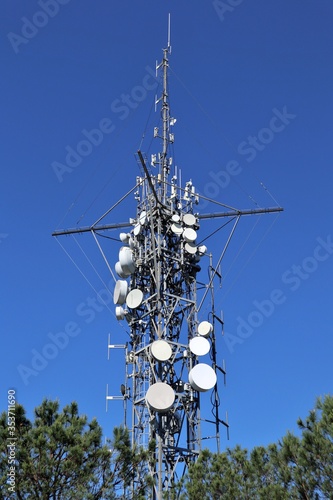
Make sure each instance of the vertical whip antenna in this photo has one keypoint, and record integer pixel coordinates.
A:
(166, 136)
(166, 123)
(169, 33)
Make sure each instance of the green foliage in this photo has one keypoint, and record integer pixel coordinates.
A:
(130, 469)
(59, 456)
(295, 468)
(317, 446)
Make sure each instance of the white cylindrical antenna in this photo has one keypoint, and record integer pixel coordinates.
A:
(169, 33)
(180, 183)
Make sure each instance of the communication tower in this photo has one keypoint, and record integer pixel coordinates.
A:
(170, 357)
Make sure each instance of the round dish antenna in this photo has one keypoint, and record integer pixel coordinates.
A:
(120, 271)
(134, 298)
(191, 248)
(120, 292)
(126, 260)
(190, 235)
(202, 377)
(200, 346)
(189, 220)
(177, 228)
(205, 328)
(160, 397)
(124, 237)
(161, 350)
(120, 313)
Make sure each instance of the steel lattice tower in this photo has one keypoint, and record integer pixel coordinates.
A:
(159, 296)
(163, 313)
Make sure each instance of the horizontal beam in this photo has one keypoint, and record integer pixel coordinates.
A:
(119, 225)
(237, 213)
(91, 229)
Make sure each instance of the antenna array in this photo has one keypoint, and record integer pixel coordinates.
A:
(171, 357)
(157, 296)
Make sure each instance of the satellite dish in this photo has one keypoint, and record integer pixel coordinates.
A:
(126, 260)
(190, 248)
(200, 346)
(177, 228)
(120, 271)
(120, 313)
(124, 237)
(120, 292)
(202, 249)
(143, 218)
(137, 229)
(202, 377)
(160, 397)
(175, 218)
(189, 219)
(189, 235)
(134, 298)
(205, 328)
(161, 350)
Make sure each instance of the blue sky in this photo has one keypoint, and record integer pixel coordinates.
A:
(250, 86)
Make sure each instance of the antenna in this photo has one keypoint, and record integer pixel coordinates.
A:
(172, 368)
(169, 33)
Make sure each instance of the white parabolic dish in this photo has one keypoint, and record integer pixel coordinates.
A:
(161, 350)
(143, 218)
(202, 249)
(202, 377)
(191, 248)
(205, 328)
(137, 229)
(189, 235)
(199, 346)
(126, 260)
(177, 228)
(160, 397)
(120, 292)
(134, 298)
(120, 313)
(124, 237)
(189, 219)
(120, 271)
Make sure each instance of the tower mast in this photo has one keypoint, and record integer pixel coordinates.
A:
(171, 354)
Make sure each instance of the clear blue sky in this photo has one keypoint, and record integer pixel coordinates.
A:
(251, 88)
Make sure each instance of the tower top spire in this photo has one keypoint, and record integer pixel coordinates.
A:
(166, 136)
(169, 33)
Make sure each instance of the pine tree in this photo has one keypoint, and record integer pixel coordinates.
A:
(295, 468)
(59, 456)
